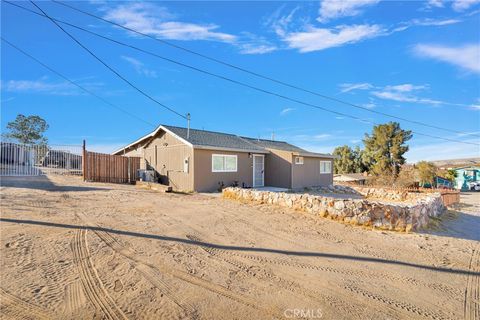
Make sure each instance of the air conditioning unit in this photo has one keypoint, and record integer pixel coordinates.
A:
(146, 175)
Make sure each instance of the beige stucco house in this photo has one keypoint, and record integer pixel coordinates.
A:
(204, 161)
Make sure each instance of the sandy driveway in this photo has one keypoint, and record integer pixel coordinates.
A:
(79, 250)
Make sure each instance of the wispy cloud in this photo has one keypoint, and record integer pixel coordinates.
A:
(310, 137)
(332, 9)
(434, 22)
(466, 57)
(315, 39)
(427, 22)
(347, 87)
(8, 99)
(249, 43)
(440, 151)
(462, 5)
(46, 86)
(457, 5)
(404, 93)
(40, 86)
(322, 136)
(435, 3)
(140, 67)
(369, 105)
(301, 34)
(286, 111)
(159, 21)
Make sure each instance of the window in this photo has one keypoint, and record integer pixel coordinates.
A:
(298, 160)
(224, 163)
(325, 166)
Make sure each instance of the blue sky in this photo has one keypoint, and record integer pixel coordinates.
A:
(417, 60)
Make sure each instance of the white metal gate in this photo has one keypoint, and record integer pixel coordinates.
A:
(33, 160)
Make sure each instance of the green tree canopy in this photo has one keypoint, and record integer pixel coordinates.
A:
(386, 147)
(344, 160)
(426, 172)
(451, 175)
(28, 130)
(362, 162)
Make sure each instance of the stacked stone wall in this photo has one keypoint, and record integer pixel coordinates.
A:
(381, 209)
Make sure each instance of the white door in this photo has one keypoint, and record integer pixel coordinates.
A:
(258, 170)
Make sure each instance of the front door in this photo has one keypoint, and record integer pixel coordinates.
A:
(258, 170)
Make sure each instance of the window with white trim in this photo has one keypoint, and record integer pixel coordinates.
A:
(325, 166)
(298, 160)
(224, 163)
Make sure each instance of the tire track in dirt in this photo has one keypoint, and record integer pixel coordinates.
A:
(289, 285)
(93, 286)
(127, 251)
(354, 273)
(74, 298)
(16, 308)
(471, 306)
(151, 274)
(403, 306)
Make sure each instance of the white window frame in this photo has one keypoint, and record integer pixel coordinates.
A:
(225, 156)
(298, 160)
(329, 166)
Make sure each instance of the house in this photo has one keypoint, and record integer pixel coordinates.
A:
(357, 178)
(466, 175)
(203, 161)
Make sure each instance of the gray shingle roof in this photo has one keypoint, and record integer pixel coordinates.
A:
(203, 138)
(214, 139)
(278, 145)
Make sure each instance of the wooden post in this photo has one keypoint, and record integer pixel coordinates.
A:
(84, 161)
(129, 167)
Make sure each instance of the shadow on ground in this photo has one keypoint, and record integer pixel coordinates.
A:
(41, 183)
(456, 224)
(241, 248)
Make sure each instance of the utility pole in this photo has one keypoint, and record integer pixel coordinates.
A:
(188, 125)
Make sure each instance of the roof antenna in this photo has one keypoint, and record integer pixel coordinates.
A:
(188, 125)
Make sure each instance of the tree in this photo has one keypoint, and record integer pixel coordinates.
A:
(386, 147)
(451, 175)
(344, 160)
(426, 172)
(27, 130)
(406, 177)
(361, 161)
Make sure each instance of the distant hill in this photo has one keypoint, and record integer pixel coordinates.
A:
(452, 163)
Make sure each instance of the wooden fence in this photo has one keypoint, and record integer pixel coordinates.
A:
(101, 167)
(450, 197)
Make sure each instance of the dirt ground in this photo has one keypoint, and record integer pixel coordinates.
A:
(74, 250)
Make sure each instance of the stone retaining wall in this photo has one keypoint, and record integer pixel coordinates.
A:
(413, 215)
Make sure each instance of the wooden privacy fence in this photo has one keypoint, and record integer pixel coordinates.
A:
(101, 167)
(450, 197)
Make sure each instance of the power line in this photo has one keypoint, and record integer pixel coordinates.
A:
(256, 74)
(74, 83)
(108, 67)
(237, 82)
